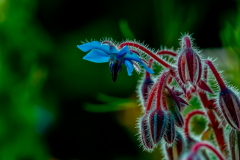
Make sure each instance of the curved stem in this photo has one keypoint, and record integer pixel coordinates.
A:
(218, 131)
(187, 120)
(216, 74)
(150, 62)
(160, 88)
(167, 53)
(154, 56)
(151, 96)
(198, 145)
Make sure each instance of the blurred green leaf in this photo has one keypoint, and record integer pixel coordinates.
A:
(112, 104)
(126, 31)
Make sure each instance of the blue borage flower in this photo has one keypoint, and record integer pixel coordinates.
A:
(106, 52)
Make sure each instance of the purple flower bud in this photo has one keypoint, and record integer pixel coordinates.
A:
(157, 121)
(145, 133)
(230, 107)
(169, 135)
(189, 64)
(178, 144)
(234, 143)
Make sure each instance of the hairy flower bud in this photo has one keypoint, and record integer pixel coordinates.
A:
(157, 121)
(145, 133)
(230, 107)
(169, 135)
(176, 149)
(234, 144)
(189, 63)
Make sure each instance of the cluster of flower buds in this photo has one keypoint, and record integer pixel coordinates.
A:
(162, 113)
(163, 103)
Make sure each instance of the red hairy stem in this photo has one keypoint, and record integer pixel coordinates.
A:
(173, 73)
(151, 96)
(218, 131)
(160, 88)
(167, 53)
(154, 56)
(187, 120)
(150, 62)
(216, 74)
(205, 73)
(198, 145)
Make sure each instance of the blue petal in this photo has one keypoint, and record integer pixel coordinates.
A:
(136, 58)
(122, 52)
(97, 45)
(133, 57)
(113, 49)
(97, 56)
(129, 67)
(147, 69)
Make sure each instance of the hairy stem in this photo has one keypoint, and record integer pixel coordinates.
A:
(151, 96)
(150, 62)
(160, 88)
(218, 131)
(216, 74)
(154, 56)
(167, 53)
(187, 120)
(198, 145)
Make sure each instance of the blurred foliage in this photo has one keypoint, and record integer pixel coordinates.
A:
(230, 36)
(50, 97)
(112, 104)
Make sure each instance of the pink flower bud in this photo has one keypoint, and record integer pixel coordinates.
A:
(230, 106)
(157, 121)
(145, 133)
(178, 145)
(189, 63)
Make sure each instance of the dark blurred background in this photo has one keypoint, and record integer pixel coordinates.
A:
(56, 106)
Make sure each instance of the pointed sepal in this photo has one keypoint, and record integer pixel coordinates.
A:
(201, 84)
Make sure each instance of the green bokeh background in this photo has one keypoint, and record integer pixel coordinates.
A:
(56, 106)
